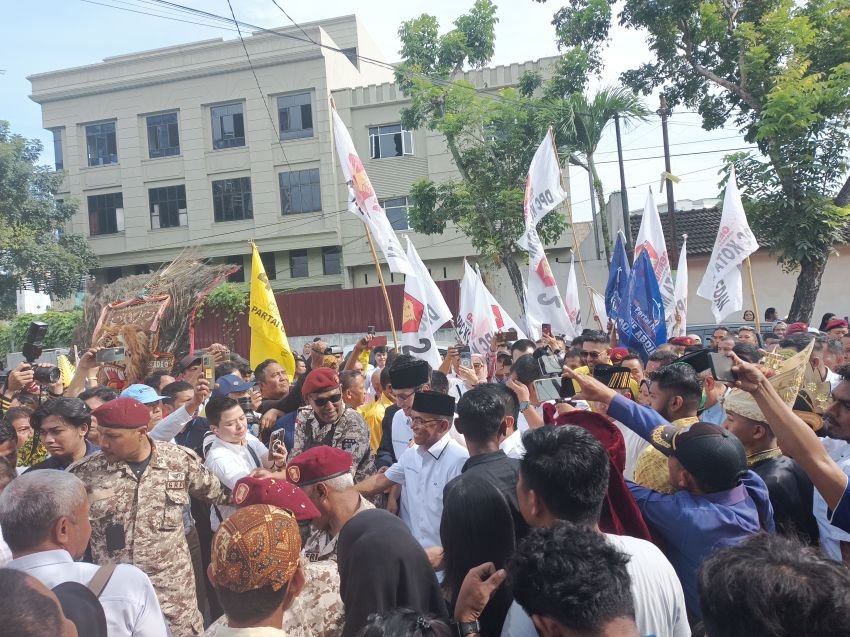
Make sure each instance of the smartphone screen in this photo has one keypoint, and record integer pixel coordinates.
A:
(276, 440)
(721, 367)
(465, 357)
(548, 389)
(546, 329)
(208, 365)
(378, 341)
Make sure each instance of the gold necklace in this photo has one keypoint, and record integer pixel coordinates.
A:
(755, 458)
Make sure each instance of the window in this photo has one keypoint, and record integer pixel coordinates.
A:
(295, 114)
(298, 264)
(228, 127)
(269, 264)
(58, 156)
(239, 275)
(106, 213)
(390, 141)
(396, 210)
(163, 135)
(100, 144)
(232, 199)
(300, 191)
(331, 260)
(168, 207)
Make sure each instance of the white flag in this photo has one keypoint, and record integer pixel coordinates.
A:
(680, 322)
(480, 316)
(542, 187)
(363, 201)
(543, 302)
(501, 319)
(651, 238)
(721, 284)
(599, 306)
(571, 302)
(424, 311)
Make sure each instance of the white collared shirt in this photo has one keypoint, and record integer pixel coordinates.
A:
(831, 536)
(402, 434)
(129, 600)
(230, 462)
(423, 473)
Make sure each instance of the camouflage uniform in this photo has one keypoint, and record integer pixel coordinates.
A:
(321, 545)
(350, 433)
(317, 611)
(150, 510)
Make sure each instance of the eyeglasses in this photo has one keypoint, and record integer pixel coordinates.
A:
(419, 421)
(593, 355)
(321, 402)
(406, 397)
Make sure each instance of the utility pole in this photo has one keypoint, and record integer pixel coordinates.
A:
(624, 195)
(664, 112)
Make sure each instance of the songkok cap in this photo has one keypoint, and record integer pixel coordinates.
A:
(145, 394)
(618, 354)
(190, 359)
(122, 413)
(318, 464)
(229, 384)
(833, 323)
(275, 492)
(319, 380)
(433, 402)
(257, 546)
(613, 376)
(711, 454)
(410, 375)
(796, 328)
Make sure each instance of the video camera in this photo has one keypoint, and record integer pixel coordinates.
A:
(251, 417)
(33, 346)
(551, 386)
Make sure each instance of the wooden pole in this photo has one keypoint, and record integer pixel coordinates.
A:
(575, 237)
(753, 292)
(381, 281)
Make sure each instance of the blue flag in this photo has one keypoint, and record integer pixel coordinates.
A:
(618, 286)
(644, 329)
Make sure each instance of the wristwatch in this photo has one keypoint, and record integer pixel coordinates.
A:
(523, 405)
(468, 628)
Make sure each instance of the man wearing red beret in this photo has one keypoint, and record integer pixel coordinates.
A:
(328, 421)
(139, 490)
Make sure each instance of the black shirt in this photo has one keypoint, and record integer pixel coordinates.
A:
(385, 455)
(500, 471)
(54, 462)
(791, 494)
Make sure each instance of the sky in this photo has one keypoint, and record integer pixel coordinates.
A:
(56, 34)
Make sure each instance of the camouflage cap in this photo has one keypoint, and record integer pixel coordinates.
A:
(257, 546)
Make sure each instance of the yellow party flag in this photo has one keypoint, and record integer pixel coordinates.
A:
(268, 337)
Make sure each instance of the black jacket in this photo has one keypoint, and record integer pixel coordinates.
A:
(791, 495)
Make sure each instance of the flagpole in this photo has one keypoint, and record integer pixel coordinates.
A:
(753, 292)
(573, 229)
(383, 286)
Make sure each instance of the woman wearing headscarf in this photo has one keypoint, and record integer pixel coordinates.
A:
(381, 568)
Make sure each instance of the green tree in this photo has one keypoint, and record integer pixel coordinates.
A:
(491, 138)
(780, 70)
(34, 250)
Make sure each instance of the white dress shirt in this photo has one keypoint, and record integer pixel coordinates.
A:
(128, 600)
(831, 536)
(402, 434)
(423, 473)
(230, 462)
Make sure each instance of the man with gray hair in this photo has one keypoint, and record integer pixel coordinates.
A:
(45, 520)
(324, 473)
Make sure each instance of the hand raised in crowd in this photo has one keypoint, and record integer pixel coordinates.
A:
(278, 455)
(748, 376)
(317, 353)
(88, 360)
(202, 392)
(591, 389)
(519, 389)
(468, 376)
(256, 399)
(477, 588)
(449, 362)
(363, 343)
(551, 342)
(20, 377)
(270, 418)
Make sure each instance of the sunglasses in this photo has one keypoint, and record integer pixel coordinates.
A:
(593, 355)
(321, 402)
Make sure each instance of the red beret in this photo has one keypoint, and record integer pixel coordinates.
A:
(617, 354)
(796, 328)
(319, 380)
(274, 492)
(122, 413)
(317, 464)
(681, 341)
(835, 323)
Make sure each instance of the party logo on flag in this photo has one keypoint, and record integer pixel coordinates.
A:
(411, 314)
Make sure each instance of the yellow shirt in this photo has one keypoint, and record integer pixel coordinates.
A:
(373, 414)
(651, 468)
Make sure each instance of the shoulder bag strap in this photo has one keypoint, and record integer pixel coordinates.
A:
(101, 579)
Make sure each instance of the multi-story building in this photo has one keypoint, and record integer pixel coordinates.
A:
(194, 145)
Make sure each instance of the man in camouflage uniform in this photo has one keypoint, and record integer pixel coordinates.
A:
(138, 491)
(329, 422)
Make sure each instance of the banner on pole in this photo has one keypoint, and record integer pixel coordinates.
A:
(650, 239)
(268, 337)
(543, 303)
(644, 328)
(480, 316)
(680, 322)
(543, 189)
(617, 289)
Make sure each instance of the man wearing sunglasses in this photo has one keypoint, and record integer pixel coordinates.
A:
(594, 350)
(328, 421)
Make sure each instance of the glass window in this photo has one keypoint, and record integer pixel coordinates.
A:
(270, 264)
(100, 144)
(106, 213)
(228, 126)
(239, 275)
(163, 135)
(232, 199)
(295, 116)
(396, 210)
(58, 155)
(168, 207)
(300, 191)
(331, 260)
(390, 141)
(298, 264)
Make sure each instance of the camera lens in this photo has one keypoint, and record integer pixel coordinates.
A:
(47, 375)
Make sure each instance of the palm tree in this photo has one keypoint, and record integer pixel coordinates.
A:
(581, 131)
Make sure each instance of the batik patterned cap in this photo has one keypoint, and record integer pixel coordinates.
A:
(257, 546)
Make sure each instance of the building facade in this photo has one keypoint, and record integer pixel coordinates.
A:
(193, 146)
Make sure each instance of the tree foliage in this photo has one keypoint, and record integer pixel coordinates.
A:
(34, 250)
(778, 69)
(61, 326)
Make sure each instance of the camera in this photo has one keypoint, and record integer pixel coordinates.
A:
(250, 416)
(33, 346)
(551, 386)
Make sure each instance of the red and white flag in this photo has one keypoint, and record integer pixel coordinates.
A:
(543, 189)
(571, 302)
(480, 316)
(651, 238)
(543, 303)
(363, 201)
(680, 322)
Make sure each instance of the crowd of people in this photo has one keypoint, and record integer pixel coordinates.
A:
(371, 494)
